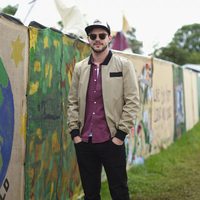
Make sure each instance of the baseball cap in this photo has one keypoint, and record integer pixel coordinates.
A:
(97, 24)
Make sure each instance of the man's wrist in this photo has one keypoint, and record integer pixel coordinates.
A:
(120, 135)
(74, 133)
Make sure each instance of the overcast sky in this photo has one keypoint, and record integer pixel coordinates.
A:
(155, 21)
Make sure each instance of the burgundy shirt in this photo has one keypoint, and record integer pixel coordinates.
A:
(95, 120)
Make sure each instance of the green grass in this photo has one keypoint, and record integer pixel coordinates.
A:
(173, 174)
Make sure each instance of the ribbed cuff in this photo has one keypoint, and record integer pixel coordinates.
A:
(74, 133)
(120, 135)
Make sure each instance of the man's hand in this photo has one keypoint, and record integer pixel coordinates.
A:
(77, 139)
(117, 141)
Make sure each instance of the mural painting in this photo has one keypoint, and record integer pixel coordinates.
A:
(139, 145)
(162, 106)
(179, 111)
(138, 142)
(51, 170)
(144, 126)
(6, 127)
(70, 185)
(13, 59)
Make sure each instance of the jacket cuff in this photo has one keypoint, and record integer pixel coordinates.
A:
(120, 135)
(74, 133)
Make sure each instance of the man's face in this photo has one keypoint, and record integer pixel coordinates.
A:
(99, 40)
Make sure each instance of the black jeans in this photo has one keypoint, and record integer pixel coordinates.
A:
(91, 158)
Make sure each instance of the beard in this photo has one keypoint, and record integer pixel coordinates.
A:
(99, 50)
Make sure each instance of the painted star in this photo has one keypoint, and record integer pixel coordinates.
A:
(17, 49)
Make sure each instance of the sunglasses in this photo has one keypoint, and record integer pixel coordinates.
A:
(102, 36)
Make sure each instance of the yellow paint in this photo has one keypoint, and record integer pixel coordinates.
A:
(31, 146)
(31, 173)
(70, 68)
(52, 188)
(37, 67)
(69, 78)
(33, 88)
(67, 41)
(56, 43)
(23, 126)
(39, 133)
(55, 142)
(17, 49)
(41, 168)
(33, 37)
(46, 70)
(65, 144)
(46, 42)
(50, 75)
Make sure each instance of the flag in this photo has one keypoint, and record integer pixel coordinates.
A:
(120, 42)
(125, 25)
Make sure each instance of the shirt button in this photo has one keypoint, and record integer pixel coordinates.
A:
(94, 91)
(95, 80)
(93, 113)
(95, 102)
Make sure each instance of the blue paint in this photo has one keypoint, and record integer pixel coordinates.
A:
(6, 125)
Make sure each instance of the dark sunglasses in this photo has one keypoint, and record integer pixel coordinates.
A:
(102, 36)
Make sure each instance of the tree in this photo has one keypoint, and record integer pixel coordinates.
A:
(11, 10)
(134, 44)
(184, 47)
(188, 38)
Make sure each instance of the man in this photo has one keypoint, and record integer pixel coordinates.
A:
(102, 106)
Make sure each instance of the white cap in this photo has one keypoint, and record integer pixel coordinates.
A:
(97, 24)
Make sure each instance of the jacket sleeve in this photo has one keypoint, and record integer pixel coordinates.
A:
(73, 105)
(131, 101)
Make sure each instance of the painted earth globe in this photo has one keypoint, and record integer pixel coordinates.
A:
(6, 122)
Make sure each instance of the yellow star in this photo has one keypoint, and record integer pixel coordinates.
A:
(17, 48)
(37, 67)
(33, 88)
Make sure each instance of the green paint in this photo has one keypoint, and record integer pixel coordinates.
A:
(3, 80)
(3, 75)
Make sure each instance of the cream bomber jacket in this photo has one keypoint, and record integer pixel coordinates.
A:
(120, 95)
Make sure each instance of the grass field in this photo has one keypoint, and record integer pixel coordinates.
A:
(173, 174)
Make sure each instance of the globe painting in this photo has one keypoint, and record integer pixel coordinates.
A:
(6, 121)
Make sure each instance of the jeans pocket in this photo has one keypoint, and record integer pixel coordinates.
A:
(78, 145)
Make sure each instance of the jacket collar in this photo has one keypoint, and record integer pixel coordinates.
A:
(105, 62)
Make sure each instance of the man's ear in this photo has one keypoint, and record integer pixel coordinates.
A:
(110, 37)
